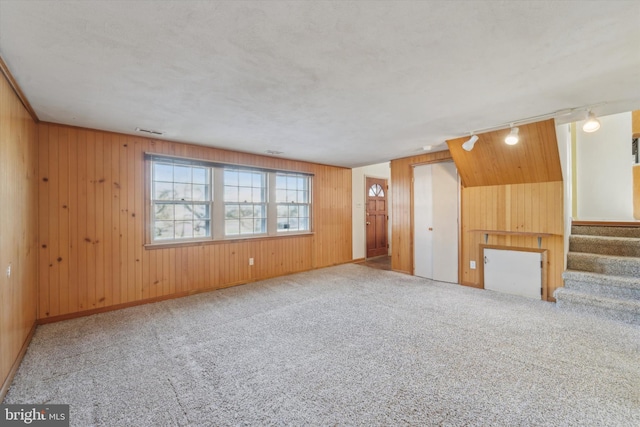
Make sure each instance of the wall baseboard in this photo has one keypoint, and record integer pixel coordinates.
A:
(16, 364)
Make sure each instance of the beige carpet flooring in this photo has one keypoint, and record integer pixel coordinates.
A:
(346, 345)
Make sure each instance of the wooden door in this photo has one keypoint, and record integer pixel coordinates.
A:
(376, 217)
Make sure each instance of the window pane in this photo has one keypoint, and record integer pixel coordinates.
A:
(281, 196)
(184, 229)
(303, 197)
(163, 211)
(230, 177)
(258, 195)
(292, 196)
(244, 194)
(245, 179)
(183, 212)
(200, 176)
(201, 212)
(283, 211)
(303, 211)
(163, 230)
(303, 224)
(260, 225)
(232, 211)
(246, 226)
(163, 191)
(231, 227)
(201, 228)
(182, 174)
(200, 193)
(281, 182)
(182, 191)
(230, 194)
(283, 224)
(246, 211)
(259, 211)
(162, 172)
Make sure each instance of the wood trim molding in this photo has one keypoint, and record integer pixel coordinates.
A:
(16, 88)
(607, 223)
(16, 364)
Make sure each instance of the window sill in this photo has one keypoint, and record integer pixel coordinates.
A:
(205, 242)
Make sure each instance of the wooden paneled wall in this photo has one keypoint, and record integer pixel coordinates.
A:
(92, 215)
(402, 202)
(534, 207)
(18, 226)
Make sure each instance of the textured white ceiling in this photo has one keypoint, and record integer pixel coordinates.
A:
(342, 83)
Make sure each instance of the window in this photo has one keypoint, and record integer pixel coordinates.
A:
(245, 202)
(249, 202)
(181, 197)
(292, 199)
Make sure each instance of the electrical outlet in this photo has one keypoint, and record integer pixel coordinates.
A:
(250, 261)
(9, 271)
(472, 265)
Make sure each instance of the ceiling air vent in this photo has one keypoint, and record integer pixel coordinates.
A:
(151, 132)
(274, 152)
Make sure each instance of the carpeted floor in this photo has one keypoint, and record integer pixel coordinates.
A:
(346, 345)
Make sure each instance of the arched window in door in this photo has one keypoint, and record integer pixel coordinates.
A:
(376, 190)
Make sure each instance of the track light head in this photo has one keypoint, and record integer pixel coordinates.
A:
(592, 123)
(512, 138)
(468, 146)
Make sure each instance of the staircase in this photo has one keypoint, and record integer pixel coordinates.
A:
(603, 272)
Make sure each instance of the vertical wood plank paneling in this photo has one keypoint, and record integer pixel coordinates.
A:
(63, 219)
(19, 227)
(534, 207)
(43, 221)
(109, 264)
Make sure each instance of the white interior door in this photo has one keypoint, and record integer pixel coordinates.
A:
(445, 222)
(435, 213)
(513, 272)
(422, 221)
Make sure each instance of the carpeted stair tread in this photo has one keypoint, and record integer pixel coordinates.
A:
(614, 308)
(605, 245)
(604, 264)
(603, 284)
(593, 230)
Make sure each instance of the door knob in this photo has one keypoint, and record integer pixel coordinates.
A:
(430, 228)
(368, 223)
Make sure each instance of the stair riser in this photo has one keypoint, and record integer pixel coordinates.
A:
(630, 248)
(631, 317)
(589, 230)
(621, 267)
(606, 291)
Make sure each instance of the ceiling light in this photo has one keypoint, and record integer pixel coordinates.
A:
(512, 138)
(468, 146)
(427, 147)
(592, 124)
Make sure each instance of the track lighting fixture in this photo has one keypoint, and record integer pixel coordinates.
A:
(592, 123)
(468, 146)
(512, 138)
